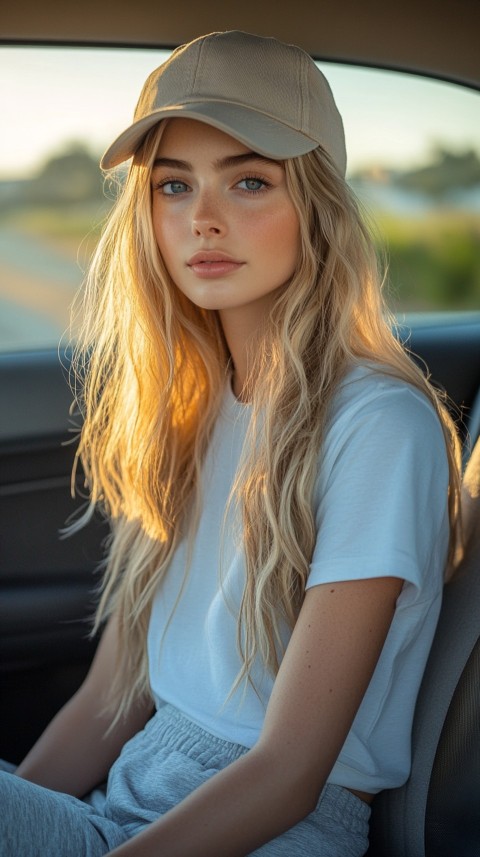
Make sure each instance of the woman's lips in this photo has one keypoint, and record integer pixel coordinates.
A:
(211, 265)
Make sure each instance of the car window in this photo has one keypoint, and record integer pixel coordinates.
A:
(415, 165)
(414, 162)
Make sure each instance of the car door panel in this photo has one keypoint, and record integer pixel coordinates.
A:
(46, 580)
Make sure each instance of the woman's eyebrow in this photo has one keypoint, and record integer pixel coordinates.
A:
(237, 160)
(172, 163)
(220, 164)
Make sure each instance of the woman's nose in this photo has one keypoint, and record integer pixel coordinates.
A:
(208, 218)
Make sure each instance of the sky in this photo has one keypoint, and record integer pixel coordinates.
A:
(50, 97)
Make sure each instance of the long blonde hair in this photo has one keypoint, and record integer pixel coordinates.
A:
(154, 367)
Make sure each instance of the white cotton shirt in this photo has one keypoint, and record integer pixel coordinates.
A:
(381, 510)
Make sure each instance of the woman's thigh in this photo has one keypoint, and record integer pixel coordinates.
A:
(338, 827)
(38, 822)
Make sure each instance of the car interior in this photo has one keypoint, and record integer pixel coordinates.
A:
(48, 581)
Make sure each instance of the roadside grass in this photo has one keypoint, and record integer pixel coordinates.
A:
(433, 262)
(72, 230)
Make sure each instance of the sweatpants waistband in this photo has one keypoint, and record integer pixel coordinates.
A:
(175, 731)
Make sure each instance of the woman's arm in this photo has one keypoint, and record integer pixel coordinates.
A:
(330, 659)
(74, 754)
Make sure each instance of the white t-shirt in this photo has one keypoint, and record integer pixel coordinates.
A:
(381, 510)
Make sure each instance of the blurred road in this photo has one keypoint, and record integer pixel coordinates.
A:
(37, 286)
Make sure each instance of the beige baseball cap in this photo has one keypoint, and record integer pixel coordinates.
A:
(268, 95)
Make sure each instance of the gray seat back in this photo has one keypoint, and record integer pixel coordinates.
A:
(437, 812)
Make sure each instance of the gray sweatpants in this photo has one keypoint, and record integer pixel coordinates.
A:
(157, 769)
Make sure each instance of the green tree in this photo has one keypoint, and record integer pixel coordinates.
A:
(447, 171)
(70, 176)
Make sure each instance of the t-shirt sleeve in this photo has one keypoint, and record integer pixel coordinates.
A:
(381, 494)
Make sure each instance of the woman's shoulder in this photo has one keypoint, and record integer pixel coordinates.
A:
(376, 410)
(369, 388)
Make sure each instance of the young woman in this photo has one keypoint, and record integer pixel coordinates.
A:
(281, 481)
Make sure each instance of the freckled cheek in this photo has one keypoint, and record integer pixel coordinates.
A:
(272, 228)
(157, 227)
(168, 235)
(280, 237)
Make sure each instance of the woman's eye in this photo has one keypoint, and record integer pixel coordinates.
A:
(252, 184)
(171, 188)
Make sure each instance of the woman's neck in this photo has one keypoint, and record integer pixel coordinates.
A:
(244, 330)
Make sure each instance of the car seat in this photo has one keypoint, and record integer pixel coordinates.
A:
(437, 812)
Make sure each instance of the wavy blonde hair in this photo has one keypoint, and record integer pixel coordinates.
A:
(154, 368)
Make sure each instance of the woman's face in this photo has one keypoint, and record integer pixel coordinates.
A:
(223, 219)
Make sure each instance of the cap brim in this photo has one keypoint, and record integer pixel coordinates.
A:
(264, 135)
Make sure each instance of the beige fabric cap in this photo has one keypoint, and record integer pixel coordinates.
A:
(268, 95)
